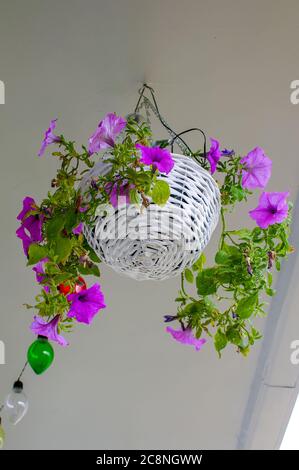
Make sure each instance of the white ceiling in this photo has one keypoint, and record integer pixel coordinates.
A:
(223, 65)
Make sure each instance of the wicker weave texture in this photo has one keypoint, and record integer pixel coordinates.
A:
(158, 242)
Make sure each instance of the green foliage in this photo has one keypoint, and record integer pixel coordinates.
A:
(231, 292)
(160, 192)
(36, 253)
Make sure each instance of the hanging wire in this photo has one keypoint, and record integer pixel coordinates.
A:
(22, 371)
(191, 130)
(155, 109)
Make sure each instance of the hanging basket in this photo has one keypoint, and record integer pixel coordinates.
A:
(156, 243)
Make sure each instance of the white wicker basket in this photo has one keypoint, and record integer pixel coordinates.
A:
(158, 242)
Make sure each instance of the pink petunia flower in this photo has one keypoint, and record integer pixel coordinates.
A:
(272, 209)
(257, 169)
(156, 157)
(49, 138)
(186, 337)
(104, 136)
(86, 304)
(214, 154)
(50, 329)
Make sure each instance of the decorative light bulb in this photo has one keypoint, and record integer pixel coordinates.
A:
(2, 435)
(40, 354)
(16, 403)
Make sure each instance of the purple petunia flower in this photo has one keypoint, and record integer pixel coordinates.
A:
(104, 136)
(50, 138)
(257, 169)
(157, 157)
(50, 329)
(119, 194)
(186, 337)
(30, 230)
(86, 304)
(78, 229)
(272, 209)
(227, 153)
(214, 154)
(39, 270)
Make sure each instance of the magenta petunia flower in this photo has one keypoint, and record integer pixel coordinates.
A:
(86, 304)
(28, 205)
(39, 270)
(186, 337)
(104, 136)
(214, 154)
(257, 169)
(272, 209)
(50, 329)
(157, 157)
(30, 230)
(78, 229)
(49, 138)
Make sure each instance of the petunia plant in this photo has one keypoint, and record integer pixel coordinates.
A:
(230, 293)
(52, 231)
(233, 291)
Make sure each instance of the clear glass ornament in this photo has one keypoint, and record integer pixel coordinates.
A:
(16, 403)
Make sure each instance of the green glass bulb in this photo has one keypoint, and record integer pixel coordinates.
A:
(40, 355)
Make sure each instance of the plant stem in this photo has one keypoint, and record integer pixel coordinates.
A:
(223, 228)
(183, 285)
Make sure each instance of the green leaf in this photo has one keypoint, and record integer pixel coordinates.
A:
(36, 253)
(244, 350)
(198, 331)
(71, 220)
(220, 341)
(277, 264)
(134, 196)
(238, 193)
(59, 278)
(246, 306)
(244, 233)
(222, 257)
(54, 227)
(270, 292)
(93, 256)
(232, 251)
(270, 279)
(62, 248)
(206, 281)
(160, 192)
(189, 275)
(234, 336)
(91, 270)
(143, 179)
(198, 265)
